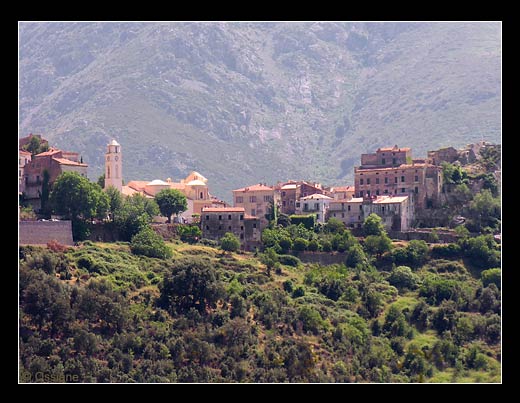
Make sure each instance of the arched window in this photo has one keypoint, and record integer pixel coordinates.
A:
(108, 172)
(201, 195)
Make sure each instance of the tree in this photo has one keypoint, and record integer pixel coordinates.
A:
(300, 244)
(171, 201)
(491, 276)
(373, 225)
(137, 212)
(378, 244)
(270, 259)
(286, 244)
(485, 211)
(101, 181)
(284, 220)
(229, 242)
(192, 283)
(148, 243)
(115, 201)
(35, 146)
(402, 277)
(189, 233)
(78, 199)
(334, 226)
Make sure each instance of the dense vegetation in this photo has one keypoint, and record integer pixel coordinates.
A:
(98, 313)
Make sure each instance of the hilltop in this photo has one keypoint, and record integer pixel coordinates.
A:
(244, 103)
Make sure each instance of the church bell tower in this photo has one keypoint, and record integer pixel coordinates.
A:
(113, 166)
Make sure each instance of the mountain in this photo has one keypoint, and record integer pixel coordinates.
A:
(257, 102)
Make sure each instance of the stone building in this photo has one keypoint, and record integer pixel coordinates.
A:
(290, 192)
(114, 166)
(392, 171)
(215, 222)
(341, 192)
(349, 211)
(24, 157)
(396, 212)
(55, 162)
(314, 204)
(256, 200)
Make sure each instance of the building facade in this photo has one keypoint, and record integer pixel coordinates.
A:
(114, 166)
(290, 192)
(314, 204)
(215, 222)
(392, 171)
(396, 212)
(24, 157)
(256, 200)
(349, 211)
(55, 162)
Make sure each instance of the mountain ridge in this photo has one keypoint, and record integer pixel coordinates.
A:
(257, 102)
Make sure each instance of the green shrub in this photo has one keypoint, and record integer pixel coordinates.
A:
(326, 246)
(300, 244)
(313, 245)
(309, 221)
(148, 243)
(289, 260)
(229, 242)
(491, 276)
(298, 292)
(451, 250)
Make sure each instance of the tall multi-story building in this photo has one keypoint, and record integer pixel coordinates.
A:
(392, 171)
(256, 200)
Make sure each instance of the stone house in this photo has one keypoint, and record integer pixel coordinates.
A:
(396, 212)
(290, 192)
(256, 200)
(24, 157)
(349, 211)
(215, 222)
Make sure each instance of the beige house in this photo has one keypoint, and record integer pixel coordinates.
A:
(349, 211)
(317, 204)
(397, 212)
(256, 200)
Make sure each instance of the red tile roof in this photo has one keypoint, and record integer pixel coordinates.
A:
(64, 161)
(23, 152)
(51, 151)
(223, 209)
(253, 188)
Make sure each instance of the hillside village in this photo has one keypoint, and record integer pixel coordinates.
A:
(407, 193)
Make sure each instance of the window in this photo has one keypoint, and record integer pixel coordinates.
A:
(359, 218)
(201, 195)
(383, 161)
(252, 199)
(207, 218)
(368, 181)
(241, 228)
(298, 204)
(241, 217)
(283, 194)
(207, 227)
(395, 179)
(108, 172)
(386, 191)
(334, 214)
(360, 207)
(416, 190)
(377, 181)
(402, 178)
(220, 227)
(240, 199)
(253, 212)
(383, 209)
(268, 198)
(403, 190)
(377, 192)
(361, 181)
(386, 180)
(291, 202)
(394, 161)
(229, 217)
(348, 207)
(241, 236)
(229, 228)
(305, 206)
(368, 193)
(283, 203)
(220, 217)
(342, 215)
(316, 206)
(317, 216)
(416, 178)
(254, 225)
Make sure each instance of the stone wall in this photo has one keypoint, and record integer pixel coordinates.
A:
(42, 232)
(443, 236)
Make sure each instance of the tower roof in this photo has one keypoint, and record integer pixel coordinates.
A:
(114, 143)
